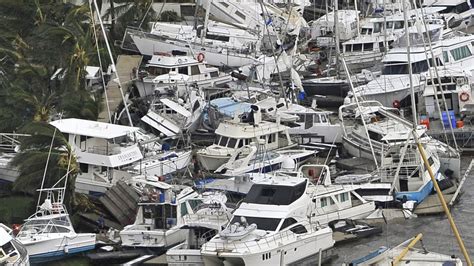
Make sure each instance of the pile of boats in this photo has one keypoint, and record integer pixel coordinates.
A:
(230, 156)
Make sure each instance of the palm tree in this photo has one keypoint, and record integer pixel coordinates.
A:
(135, 13)
(34, 154)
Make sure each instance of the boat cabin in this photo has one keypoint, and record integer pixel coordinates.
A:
(101, 149)
(456, 91)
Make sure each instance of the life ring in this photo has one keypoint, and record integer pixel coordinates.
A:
(322, 55)
(200, 57)
(464, 97)
(396, 104)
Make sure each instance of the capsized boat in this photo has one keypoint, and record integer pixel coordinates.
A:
(12, 252)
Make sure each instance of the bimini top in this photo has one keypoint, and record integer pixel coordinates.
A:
(91, 128)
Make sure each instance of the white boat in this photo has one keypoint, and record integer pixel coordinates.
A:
(166, 73)
(173, 116)
(222, 44)
(102, 150)
(253, 159)
(386, 128)
(368, 48)
(458, 14)
(48, 234)
(455, 85)
(392, 88)
(12, 252)
(207, 221)
(322, 29)
(234, 134)
(163, 212)
(385, 256)
(272, 226)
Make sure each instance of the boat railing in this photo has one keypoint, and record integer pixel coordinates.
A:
(259, 243)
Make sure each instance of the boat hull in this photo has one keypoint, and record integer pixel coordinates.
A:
(152, 238)
(59, 247)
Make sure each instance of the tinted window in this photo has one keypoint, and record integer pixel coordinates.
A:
(232, 143)
(269, 224)
(288, 222)
(298, 229)
(223, 141)
(183, 70)
(274, 195)
(194, 70)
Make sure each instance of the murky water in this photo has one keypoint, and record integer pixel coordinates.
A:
(437, 234)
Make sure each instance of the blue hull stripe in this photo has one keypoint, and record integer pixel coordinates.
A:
(61, 253)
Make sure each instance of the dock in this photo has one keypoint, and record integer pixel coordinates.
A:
(125, 67)
(121, 201)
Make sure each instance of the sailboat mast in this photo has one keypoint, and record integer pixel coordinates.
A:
(410, 69)
(206, 21)
(336, 34)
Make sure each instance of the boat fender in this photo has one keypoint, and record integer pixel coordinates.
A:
(396, 104)
(200, 57)
(464, 97)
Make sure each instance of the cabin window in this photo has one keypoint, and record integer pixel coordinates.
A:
(269, 224)
(331, 201)
(223, 141)
(323, 118)
(348, 47)
(271, 138)
(288, 222)
(324, 202)
(357, 47)
(445, 57)
(368, 46)
(194, 203)
(165, 216)
(463, 7)
(196, 106)
(309, 121)
(195, 70)
(316, 119)
(247, 141)
(183, 70)
(156, 71)
(232, 143)
(224, 4)
(184, 209)
(298, 229)
(344, 197)
(460, 53)
(240, 143)
(239, 14)
(377, 27)
(214, 74)
(84, 168)
(217, 37)
(399, 25)
(217, 139)
(389, 24)
(430, 161)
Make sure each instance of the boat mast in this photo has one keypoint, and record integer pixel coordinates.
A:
(336, 35)
(410, 69)
(113, 64)
(206, 21)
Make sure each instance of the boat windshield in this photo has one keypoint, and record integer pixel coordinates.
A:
(274, 194)
(401, 68)
(268, 224)
(43, 226)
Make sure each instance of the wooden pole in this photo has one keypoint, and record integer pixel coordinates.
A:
(412, 243)
(443, 201)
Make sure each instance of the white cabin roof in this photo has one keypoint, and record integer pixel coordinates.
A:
(4, 237)
(240, 130)
(91, 128)
(171, 61)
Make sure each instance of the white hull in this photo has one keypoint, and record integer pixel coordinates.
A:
(212, 162)
(149, 45)
(153, 238)
(159, 168)
(182, 255)
(327, 133)
(57, 245)
(353, 213)
(274, 253)
(146, 87)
